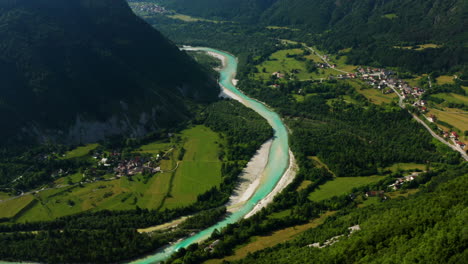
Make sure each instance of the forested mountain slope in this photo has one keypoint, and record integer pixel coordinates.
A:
(243, 10)
(77, 71)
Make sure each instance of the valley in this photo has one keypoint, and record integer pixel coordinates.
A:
(276, 131)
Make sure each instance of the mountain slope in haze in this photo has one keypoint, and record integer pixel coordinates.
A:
(79, 70)
(243, 10)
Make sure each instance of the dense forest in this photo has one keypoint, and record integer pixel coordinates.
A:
(425, 228)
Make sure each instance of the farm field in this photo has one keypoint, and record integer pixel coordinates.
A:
(80, 151)
(177, 185)
(376, 96)
(455, 117)
(444, 79)
(13, 207)
(341, 185)
(453, 98)
(200, 168)
(406, 167)
(279, 62)
(261, 242)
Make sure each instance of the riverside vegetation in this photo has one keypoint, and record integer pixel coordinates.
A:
(336, 131)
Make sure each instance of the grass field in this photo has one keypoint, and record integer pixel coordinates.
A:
(80, 151)
(187, 18)
(455, 117)
(279, 62)
(402, 193)
(341, 185)
(4, 195)
(12, 207)
(376, 96)
(453, 98)
(406, 167)
(444, 79)
(199, 170)
(304, 185)
(261, 242)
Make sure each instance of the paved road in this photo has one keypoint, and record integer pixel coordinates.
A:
(402, 105)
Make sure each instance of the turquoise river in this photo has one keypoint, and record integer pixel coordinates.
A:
(278, 162)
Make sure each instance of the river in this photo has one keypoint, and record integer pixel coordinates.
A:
(278, 161)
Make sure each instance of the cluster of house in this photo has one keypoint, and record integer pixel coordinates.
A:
(135, 166)
(150, 8)
(382, 79)
(400, 181)
(128, 167)
(454, 137)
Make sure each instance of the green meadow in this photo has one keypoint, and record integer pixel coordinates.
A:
(178, 185)
(340, 186)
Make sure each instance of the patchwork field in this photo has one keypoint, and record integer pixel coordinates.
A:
(179, 184)
(340, 186)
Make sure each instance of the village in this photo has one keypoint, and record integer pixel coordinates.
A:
(148, 8)
(386, 81)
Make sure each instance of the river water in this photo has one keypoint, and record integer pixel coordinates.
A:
(278, 162)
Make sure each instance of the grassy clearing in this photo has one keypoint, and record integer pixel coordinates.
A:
(406, 167)
(455, 117)
(340, 186)
(4, 195)
(369, 201)
(155, 147)
(376, 96)
(279, 62)
(282, 28)
(453, 98)
(402, 193)
(261, 242)
(304, 184)
(319, 163)
(12, 207)
(420, 47)
(200, 168)
(186, 18)
(390, 16)
(444, 79)
(80, 151)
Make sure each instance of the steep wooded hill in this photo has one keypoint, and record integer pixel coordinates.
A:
(77, 71)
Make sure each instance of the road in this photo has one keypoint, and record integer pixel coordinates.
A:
(402, 105)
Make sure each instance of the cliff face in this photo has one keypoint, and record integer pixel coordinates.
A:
(90, 66)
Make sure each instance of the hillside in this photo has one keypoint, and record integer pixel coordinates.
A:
(77, 71)
(378, 33)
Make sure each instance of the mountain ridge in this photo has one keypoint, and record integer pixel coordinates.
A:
(92, 61)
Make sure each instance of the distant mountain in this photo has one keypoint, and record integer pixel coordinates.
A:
(370, 30)
(79, 70)
(415, 20)
(238, 10)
